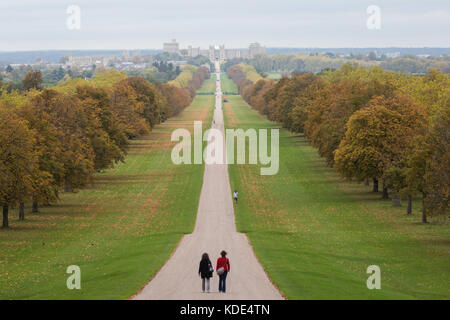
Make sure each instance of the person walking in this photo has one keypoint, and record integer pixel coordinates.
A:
(205, 271)
(223, 268)
(235, 196)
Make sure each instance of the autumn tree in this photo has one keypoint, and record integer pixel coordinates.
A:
(378, 137)
(46, 180)
(108, 142)
(429, 167)
(17, 161)
(256, 93)
(270, 98)
(308, 86)
(148, 100)
(329, 113)
(68, 118)
(32, 80)
(176, 99)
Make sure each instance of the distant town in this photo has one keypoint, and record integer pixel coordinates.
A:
(165, 64)
(135, 59)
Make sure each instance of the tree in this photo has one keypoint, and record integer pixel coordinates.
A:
(69, 120)
(46, 180)
(148, 100)
(176, 99)
(307, 88)
(32, 80)
(108, 142)
(17, 161)
(378, 137)
(124, 106)
(429, 167)
(257, 92)
(329, 113)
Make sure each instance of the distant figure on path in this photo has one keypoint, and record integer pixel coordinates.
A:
(223, 267)
(205, 271)
(235, 196)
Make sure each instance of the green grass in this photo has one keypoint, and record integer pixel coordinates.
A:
(119, 232)
(228, 86)
(209, 86)
(316, 234)
(274, 75)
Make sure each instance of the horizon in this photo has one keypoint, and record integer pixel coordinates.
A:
(268, 47)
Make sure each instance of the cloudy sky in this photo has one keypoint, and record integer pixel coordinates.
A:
(146, 24)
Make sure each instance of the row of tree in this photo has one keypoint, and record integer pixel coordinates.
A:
(56, 138)
(369, 124)
(301, 63)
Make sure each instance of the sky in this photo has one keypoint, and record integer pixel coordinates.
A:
(140, 24)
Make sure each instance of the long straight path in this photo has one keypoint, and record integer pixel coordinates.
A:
(215, 230)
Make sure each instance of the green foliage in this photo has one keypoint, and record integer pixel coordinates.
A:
(317, 63)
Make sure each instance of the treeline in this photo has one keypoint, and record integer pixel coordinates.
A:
(315, 63)
(191, 78)
(299, 63)
(370, 125)
(56, 139)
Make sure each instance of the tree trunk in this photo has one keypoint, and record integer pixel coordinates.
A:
(57, 193)
(424, 215)
(396, 201)
(68, 187)
(375, 185)
(35, 208)
(21, 211)
(5, 216)
(366, 182)
(385, 193)
(409, 209)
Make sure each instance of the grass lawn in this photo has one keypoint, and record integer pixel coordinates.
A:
(119, 232)
(228, 86)
(274, 75)
(209, 86)
(316, 234)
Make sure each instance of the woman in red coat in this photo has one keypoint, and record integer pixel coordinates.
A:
(223, 267)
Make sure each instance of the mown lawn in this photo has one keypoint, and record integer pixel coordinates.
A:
(316, 234)
(274, 75)
(209, 86)
(119, 232)
(227, 85)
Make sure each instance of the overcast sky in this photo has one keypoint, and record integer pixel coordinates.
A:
(131, 24)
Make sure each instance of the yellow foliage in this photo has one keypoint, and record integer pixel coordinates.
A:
(108, 78)
(14, 98)
(184, 77)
